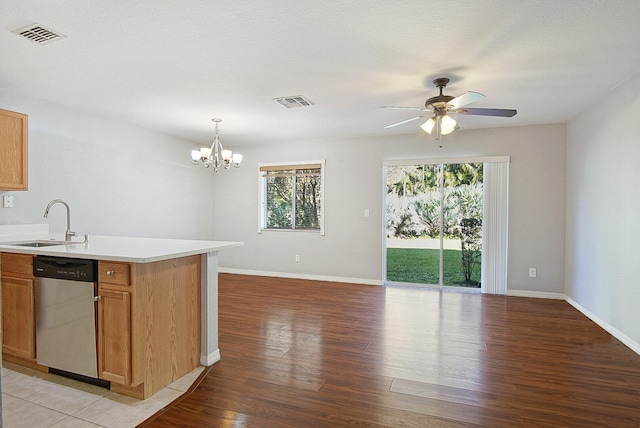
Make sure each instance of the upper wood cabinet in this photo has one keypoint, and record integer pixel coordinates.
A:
(13, 150)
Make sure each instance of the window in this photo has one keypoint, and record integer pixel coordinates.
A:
(292, 196)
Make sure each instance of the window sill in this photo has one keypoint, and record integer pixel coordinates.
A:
(315, 231)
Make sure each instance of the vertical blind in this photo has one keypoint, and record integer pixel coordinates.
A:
(495, 219)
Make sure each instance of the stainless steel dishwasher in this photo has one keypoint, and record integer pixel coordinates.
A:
(65, 297)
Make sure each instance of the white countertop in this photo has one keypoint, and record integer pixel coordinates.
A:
(115, 248)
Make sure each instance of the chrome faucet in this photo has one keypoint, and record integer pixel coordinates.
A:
(68, 234)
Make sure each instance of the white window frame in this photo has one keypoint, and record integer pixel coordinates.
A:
(262, 195)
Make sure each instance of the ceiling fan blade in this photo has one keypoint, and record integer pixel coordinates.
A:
(464, 99)
(403, 108)
(403, 122)
(501, 112)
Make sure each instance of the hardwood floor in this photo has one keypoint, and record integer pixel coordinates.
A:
(320, 354)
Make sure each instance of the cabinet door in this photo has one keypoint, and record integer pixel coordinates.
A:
(13, 150)
(18, 317)
(114, 336)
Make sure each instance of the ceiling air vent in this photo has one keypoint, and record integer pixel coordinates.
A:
(294, 101)
(38, 34)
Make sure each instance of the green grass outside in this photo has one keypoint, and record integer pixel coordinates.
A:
(421, 266)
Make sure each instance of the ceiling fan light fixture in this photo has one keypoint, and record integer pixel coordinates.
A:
(447, 125)
(441, 123)
(428, 125)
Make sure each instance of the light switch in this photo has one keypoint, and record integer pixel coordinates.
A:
(366, 213)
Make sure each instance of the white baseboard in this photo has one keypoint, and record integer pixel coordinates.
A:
(211, 359)
(301, 276)
(536, 294)
(634, 346)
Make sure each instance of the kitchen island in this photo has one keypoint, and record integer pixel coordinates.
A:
(151, 294)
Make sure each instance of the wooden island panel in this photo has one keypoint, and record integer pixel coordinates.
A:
(164, 324)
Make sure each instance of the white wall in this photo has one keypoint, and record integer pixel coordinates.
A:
(123, 180)
(117, 178)
(603, 210)
(351, 250)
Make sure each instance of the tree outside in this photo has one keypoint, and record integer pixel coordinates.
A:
(293, 199)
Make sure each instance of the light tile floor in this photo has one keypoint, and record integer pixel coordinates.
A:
(34, 399)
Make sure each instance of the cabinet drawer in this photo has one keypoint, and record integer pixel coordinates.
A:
(114, 273)
(17, 264)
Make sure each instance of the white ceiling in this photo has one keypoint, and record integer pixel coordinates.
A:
(172, 65)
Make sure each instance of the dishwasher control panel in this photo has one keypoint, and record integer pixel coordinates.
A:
(65, 268)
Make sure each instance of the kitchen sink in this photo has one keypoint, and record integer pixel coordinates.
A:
(41, 243)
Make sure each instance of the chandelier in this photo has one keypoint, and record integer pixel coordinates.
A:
(216, 155)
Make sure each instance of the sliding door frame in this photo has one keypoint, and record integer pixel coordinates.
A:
(499, 226)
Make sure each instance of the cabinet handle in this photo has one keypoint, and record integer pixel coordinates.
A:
(97, 298)
(110, 273)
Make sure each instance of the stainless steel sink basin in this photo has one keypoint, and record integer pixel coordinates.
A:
(41, 243)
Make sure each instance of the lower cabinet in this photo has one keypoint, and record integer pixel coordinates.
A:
(18, 306)
(114, 335)
(148, 324)
(18, 320)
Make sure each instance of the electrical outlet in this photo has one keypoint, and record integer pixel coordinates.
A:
(297, 257)
(7, 201)
(533, 272)
(366, 213)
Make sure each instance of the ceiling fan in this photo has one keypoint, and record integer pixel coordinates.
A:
(439, 107)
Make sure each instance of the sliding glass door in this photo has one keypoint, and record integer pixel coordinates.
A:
(434, 224)
(413, 207)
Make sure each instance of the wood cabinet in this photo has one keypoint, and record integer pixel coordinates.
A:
(148, 323)
(114, 336)
(18, 306)
(13, 150)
